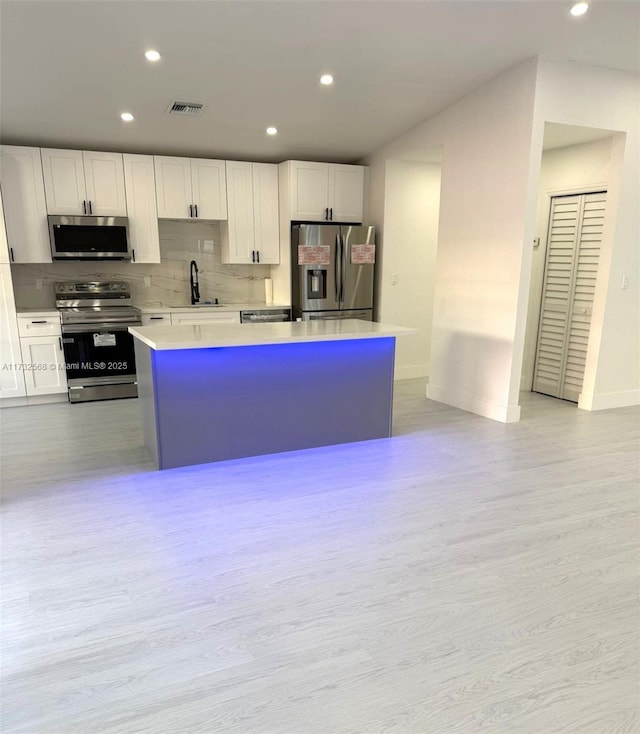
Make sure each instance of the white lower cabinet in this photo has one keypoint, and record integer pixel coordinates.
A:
(205, 317)
(42, 354)
(156, 319)
(11, 374)
(43, 359)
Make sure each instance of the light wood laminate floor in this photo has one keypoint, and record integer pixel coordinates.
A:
(462, 576)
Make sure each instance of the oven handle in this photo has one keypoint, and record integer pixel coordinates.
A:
(91, 328)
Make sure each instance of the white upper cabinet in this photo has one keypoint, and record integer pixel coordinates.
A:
(104, 179)
(190, 188)
(266, 213)
(309, 191)
(326, 192)
(25, 210)
(346, 192)
(141, 204)
(251, 234)
(84, 183)
(209, 189)
(173, 187)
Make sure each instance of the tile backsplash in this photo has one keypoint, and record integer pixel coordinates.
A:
(180, 242)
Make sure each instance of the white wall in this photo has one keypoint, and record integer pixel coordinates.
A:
(492, 150)
(572, 94)
(486, 139)
(574, 169)
(408, 253)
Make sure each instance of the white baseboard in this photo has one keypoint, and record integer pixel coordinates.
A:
(474, 404)
(608, 400)
(60, 397)
(13, 402)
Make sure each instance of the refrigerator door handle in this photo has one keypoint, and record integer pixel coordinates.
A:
(337, 272)
(343, 268)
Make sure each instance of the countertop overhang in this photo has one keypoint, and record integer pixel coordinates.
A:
(210, 336)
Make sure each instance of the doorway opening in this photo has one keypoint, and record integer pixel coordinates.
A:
(577, 167)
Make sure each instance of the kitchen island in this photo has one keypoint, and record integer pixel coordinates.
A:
(225, 391)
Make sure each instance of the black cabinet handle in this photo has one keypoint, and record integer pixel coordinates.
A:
(133, 255)
(156, 318)
(331, 214)
(191, 210)
(257, 255)
(11, 253)
(60, 342)
(84, 207)
(253, 256)
(195, 206)
(90, 208)
(326, 214)
(39, 322)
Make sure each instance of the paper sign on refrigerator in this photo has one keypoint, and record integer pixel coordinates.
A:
(314, 255)
(363, 254)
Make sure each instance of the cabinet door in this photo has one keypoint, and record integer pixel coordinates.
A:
(265, 212)
(45, 356)
(346, 193)
(208, 182)
(309, 191)
(173, 187)
(104, 180)
(25, 209)
(11, 376)
(200, 318)
(140, 186)
(64, 184)
(238, 235)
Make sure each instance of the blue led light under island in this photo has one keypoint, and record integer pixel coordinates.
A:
(226, 402)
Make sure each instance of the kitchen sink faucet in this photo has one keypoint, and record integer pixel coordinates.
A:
(193, 279)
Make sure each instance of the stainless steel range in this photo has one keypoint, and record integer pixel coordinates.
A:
(98, 349)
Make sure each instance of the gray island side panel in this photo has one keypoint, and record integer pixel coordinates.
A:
(214, 404)
(146, 397)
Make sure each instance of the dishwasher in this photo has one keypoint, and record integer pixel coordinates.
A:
(265, 315)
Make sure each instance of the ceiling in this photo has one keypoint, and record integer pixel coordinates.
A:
(68, 69)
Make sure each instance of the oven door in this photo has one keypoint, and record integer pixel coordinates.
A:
(98, 353)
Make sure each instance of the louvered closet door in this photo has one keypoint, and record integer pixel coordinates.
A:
(571, 270)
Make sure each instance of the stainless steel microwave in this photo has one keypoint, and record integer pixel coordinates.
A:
(89, 238)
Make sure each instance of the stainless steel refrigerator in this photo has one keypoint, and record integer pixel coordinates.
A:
(332, 271)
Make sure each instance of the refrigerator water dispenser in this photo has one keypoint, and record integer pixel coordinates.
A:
(316, 283)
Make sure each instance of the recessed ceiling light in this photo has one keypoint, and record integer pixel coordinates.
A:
(326, 79)
(126, 116)
(272, 131)
(152, 55)
(579, 9)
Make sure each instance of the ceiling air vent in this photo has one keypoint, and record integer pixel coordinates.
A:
(185, 108)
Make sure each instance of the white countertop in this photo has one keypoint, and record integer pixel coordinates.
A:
(226, 308)
(239, 335)
(39, 313)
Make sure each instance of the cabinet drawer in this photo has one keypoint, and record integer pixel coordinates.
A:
(156, 319)
(39, 325)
